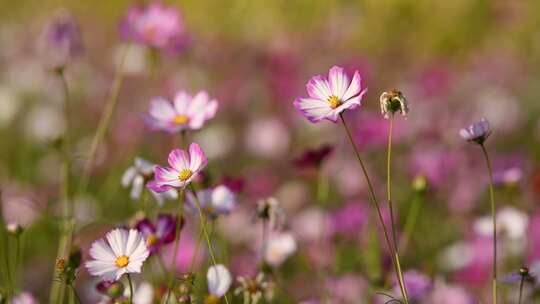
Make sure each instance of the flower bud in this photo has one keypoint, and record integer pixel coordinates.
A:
(393, 101)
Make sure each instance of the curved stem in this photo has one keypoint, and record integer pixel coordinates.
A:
(389, 182)
(494, 222)
(104, 121)
(130, 288)
(391, 250)
(205, 232)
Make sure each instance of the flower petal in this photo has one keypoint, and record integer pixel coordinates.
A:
(181, 102)
(117, 240)
(314, 109)
(198, 159)
(219, 280)
(100, 250)
(161, 109)
(178, 160)
(338, 81)
(354, 87)
(318, 88)
(128, 176)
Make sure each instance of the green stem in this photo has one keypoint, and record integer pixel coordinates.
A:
(58, 287)
(178, 233)
(389, 182)
(104, 121)
(205, 232)
(521, 289)
(494, 222)
(130, 288)
(322, 186)
(391, 250)
(410, 223)
(196, 252)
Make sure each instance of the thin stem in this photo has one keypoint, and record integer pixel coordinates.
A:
(389, 182)
(322, 186)
(178, 233)
(130, 288)
(410, 223)
(196, 252)
(58, 287)
(205, 232)
(494, 222)
(264, 237)
(104, 121)
(393, 252)
(521, 288)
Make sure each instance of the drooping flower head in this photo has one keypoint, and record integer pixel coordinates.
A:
(138, 175)
(159, 234)
(330, 97)
(214, 201)
(186, 112)
(61, 40)
(478, 132)
(157, 26)
(120, 252)
(184, 167)
(219, 281)
(393, 101)
(253, 289)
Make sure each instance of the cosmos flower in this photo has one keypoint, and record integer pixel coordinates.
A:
(138, 175)
(61, 41)
(393, 101)
(214, 201)
(219, 280)
(121, 252)
(478, 132)
(156, 26)
(186, 112)
(279, 248)
(330, 97)
(184, 166)
(160, 234)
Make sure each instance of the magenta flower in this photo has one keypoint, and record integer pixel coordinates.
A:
(477, 132)
(184, 166)
(160, 234)
(313, 158)
(330, 97)
(156, 26)
(185, 113)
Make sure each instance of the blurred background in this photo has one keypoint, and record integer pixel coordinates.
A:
(455, 61)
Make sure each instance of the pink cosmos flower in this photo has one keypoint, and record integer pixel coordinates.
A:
(184, 166)
(156, 26)
(330, 97)
(186, 112)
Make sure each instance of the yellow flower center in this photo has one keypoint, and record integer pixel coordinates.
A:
(211, 299)
(180, 119)
(151, 240)
(122, 261)
(334, 101)
(185, 174)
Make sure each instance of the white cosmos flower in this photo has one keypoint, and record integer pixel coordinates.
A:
(219, 280)
(121, 252)
(279, 248)
(217, 201)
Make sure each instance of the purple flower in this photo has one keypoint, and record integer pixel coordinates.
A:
(313, 158)
(418, 284)
(156, 26)
(61, 41)
(185, 113)
(162, 233)
(330, 97)
(350, 219)
(184, 166)
(477, 132)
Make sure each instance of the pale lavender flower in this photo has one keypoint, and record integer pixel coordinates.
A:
(478, 132)
(24, 298)
(418, 285)
(186, 112)
(184, 167)
(213, 201)
(61, 41)
(155, 25)
(328, 98)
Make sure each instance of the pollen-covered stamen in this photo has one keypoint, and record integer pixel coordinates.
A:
(185, 175)
(334, 101)
(122, 261)
(180, 119)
